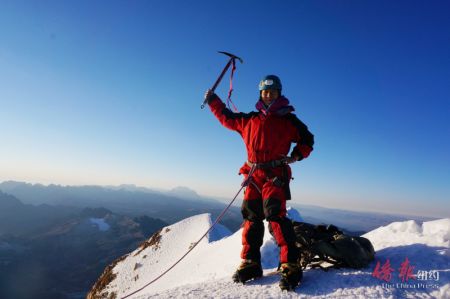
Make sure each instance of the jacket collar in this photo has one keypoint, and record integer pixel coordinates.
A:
(279, 107)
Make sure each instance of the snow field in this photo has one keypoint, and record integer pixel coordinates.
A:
(206, 271)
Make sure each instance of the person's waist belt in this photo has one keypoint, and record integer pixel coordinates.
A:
(266, 165)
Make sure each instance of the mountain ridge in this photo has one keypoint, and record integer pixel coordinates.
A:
(137, 202)
(133, 200)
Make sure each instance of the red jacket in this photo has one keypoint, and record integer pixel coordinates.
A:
(267, 135)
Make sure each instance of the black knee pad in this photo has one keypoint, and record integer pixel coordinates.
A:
(272, 209)
(255, 233)
(252, 210)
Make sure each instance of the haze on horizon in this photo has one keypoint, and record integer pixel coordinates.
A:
(184, 192)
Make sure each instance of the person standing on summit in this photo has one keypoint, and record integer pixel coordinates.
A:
(268, 135)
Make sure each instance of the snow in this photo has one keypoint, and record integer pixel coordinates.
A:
(293, 214)
(206, 271)
(100, 223)
(431, 233)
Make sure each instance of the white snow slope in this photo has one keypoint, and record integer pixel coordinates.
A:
(206, 271)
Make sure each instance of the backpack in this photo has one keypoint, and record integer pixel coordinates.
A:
(321, 244)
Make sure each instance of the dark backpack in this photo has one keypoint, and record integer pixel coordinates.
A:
(321, 244)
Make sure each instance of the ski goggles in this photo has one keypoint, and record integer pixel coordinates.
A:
(267, 82)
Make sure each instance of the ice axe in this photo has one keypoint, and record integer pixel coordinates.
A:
(230, 62)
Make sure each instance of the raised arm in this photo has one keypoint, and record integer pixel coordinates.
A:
(229, 119)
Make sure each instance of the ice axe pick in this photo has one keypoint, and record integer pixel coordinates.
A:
(227, 66)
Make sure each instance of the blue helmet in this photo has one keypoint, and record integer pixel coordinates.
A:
(270, 82)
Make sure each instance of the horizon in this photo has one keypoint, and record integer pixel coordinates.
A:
(105, 94)
(224, 200)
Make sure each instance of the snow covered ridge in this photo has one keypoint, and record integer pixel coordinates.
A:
(432, 233)
(206, 271)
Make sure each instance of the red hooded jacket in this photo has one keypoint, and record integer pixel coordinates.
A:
(268, 133)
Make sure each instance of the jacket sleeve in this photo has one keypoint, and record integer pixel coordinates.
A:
(229, 119)
(303, 138)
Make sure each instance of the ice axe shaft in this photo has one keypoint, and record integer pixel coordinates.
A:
(221, 75)
(227, 66)
(232, 58)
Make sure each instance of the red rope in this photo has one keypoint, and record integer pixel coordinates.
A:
(233, 68)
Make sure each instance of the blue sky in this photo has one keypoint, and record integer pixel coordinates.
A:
(109, 92)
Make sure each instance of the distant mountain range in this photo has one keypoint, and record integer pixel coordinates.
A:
(125, 200)
(19, 219)
(57, 252)
(182, 202)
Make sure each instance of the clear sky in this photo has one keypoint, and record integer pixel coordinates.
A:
(109, 92)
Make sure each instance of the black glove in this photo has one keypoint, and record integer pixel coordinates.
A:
(293, 159)
(209, 96)
(290, 160)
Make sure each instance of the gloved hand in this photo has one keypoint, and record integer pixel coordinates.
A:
(209, 95)
(292, 159)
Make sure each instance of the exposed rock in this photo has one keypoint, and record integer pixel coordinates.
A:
(137, 266)
(154, 241)
(97, 291)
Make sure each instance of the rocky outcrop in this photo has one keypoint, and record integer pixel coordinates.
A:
(99, 291)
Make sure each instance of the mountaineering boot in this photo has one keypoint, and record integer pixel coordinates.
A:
(291, 275)
(247, 270)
